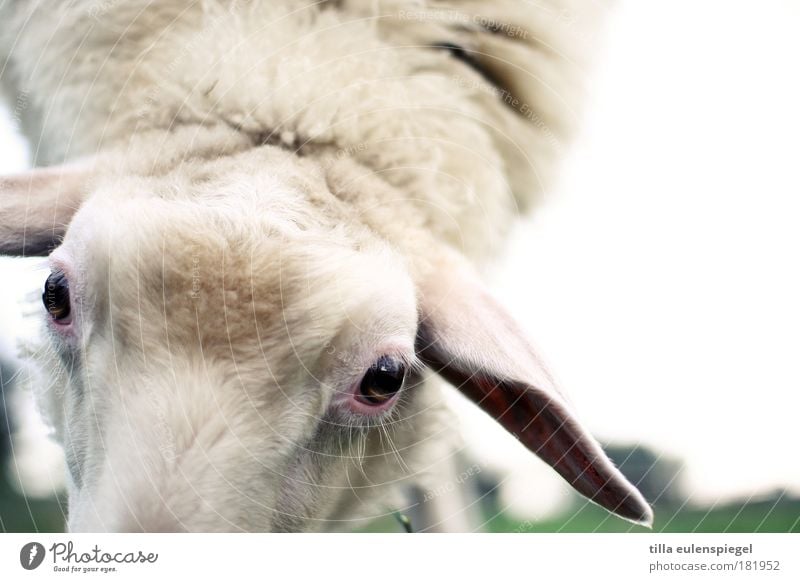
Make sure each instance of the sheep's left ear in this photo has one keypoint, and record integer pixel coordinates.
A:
(36, 207)
(468, 338)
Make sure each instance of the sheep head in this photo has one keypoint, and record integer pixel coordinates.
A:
(235, 345)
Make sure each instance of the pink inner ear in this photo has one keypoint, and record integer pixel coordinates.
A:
(547, 428)
(472, 341)
(540, 421)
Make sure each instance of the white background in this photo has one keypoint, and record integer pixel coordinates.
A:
(661, 281)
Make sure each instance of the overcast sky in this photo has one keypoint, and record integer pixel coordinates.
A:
(661, 282)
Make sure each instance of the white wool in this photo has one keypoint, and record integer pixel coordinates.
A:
(268, 182)
(359, 80)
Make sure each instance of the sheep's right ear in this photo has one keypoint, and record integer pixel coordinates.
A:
(37, 206)
(468, 338)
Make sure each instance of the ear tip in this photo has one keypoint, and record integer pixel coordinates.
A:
(648, 524)
(624, 500)
(636, 510)
(647, 517)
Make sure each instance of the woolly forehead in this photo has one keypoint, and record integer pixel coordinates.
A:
(192, 274)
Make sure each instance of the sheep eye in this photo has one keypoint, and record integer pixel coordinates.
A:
(383, 381)
(56, 297)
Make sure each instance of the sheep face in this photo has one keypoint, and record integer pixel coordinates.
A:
(236, 342)
(222, 351)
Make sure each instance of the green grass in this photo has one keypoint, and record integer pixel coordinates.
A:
(781, 516)
(32, 515)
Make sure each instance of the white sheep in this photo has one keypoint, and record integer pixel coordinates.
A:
(265, 221)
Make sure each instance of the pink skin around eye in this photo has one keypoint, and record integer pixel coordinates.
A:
(65, 326)
(356, 404)
(351, 398)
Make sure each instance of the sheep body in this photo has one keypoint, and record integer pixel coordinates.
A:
(353, 80)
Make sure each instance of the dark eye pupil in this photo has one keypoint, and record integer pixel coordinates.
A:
(56, 296)
(383, 380)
